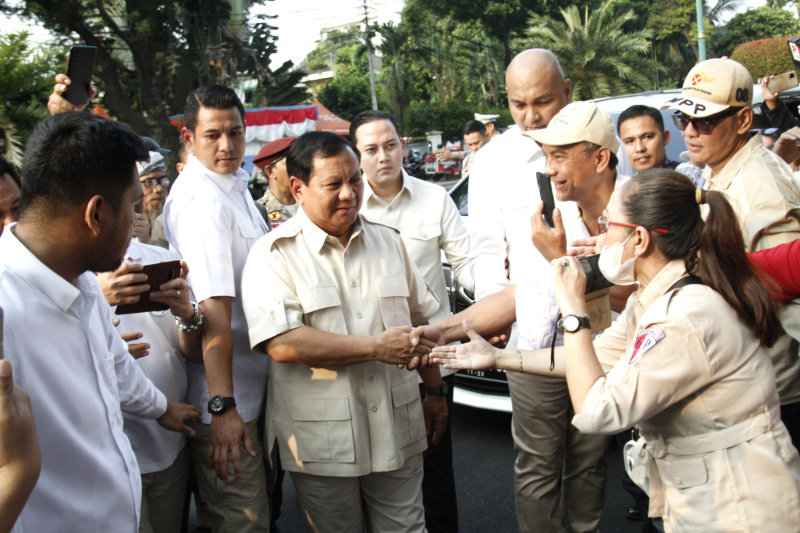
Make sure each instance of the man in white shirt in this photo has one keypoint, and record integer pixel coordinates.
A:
(210, 219)
(76, 216)
(428, 222)
(559, 479)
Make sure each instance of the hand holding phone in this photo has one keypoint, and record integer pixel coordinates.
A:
(546, 192)
(157, 274)
(79, 71)
(782, 82)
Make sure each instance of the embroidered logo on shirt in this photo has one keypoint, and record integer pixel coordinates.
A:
(645, 340)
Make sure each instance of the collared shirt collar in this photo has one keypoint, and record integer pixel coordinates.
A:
(134, 252)
(24, 264)
(723, 179)
(223, 181)
(316, 236)
(644, 297)
(408, 185)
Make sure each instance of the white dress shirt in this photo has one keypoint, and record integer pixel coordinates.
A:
(210, 219)
(537, 311)
(156, 448)
(78, 373)
(428, 221)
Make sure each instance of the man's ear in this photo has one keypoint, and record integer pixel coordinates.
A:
(744, 121)
(666, 135)
(188, 138)
(94, 213)
(297, 186)
(602, 158)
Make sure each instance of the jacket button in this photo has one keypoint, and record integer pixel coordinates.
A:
(677, 481)
(359, 315)
(374, 408)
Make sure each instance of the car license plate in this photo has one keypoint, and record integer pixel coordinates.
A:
(494, 374)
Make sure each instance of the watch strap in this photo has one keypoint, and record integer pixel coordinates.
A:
(227, 402)
(583, 322)
(439, 390)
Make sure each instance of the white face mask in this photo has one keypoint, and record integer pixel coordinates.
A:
(613, 268)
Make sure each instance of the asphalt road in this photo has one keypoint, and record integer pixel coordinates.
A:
(483, 459)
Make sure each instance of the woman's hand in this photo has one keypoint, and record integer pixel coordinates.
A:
(477, 355)
(570, 286)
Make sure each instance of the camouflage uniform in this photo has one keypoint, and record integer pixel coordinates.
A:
(276, 213)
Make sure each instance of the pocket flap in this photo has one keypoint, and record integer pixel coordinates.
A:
(320, 409)
(391, 285)
(405, 391)
(684, 472)
(316, 298)
(424, 232)
(246, 228)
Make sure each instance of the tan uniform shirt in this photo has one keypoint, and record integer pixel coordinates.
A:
(348, 420)
(761, 189)
(701, 388)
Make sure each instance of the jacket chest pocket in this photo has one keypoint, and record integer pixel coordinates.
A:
(322, 309)
(393, 295)
(422, 243)
(409, 422)
(323, 430)
(688, 491)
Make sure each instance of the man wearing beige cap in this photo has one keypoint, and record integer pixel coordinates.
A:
(558, 478)
(714, 112)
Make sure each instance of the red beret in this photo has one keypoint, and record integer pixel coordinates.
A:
(273, 151)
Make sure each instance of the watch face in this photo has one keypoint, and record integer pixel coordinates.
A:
(571, 323)
(216, 404)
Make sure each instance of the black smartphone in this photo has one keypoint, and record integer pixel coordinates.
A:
(79, 70)
(546, 192)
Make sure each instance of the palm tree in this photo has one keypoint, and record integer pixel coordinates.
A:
(596, 54)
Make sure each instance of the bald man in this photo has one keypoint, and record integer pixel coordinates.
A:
(559, 473)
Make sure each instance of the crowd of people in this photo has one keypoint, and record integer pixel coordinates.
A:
(310, 331)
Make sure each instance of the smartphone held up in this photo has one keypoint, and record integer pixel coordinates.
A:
(79, 71)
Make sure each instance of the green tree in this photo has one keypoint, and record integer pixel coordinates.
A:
(764, 57)
(26, 80)
(348, 93)
(598, 56)
(759, 23)
(151, 53)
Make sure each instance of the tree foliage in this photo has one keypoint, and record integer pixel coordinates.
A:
(764, 57)
(759, 23)
(595, 52)
(26, 80)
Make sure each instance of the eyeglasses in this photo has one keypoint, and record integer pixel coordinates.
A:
(151, 183)
(603, 223)
(701, 125)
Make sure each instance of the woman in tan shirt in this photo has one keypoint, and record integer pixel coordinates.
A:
(685, 361)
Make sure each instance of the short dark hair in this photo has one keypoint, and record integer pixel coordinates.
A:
(641, 111)
(473, 126)
(7, 167)
(211, 96)
(300, 159)
(73, 156)
(371, 115)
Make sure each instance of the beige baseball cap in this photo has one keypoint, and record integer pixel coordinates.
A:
(578, 122)
(486, 118)
(712, 87)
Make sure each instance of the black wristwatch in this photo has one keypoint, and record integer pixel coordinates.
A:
(572, 323)
(439, 390)
(218, 404)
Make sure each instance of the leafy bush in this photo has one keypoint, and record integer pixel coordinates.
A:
(764, 56)
(759, 23)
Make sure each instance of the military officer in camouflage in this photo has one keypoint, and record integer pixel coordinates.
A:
(277, 205)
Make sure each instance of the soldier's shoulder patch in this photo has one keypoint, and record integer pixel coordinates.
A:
(646, 339)
(274, 215)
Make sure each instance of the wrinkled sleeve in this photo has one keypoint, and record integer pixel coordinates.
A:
(269, 294)
(210, 260)
(137, 394)
(610, 344)
(454, 241)
(488, 247)
(630, 393)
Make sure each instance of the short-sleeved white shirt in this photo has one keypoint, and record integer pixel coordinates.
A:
(210, 219)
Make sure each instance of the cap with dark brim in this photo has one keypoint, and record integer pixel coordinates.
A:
(273, 151)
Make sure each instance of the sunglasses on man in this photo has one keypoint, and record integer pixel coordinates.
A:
(702, 125)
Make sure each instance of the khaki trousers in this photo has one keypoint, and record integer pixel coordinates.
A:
(560, 474)
(163, 495)
(240, 505)
(386, 501)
